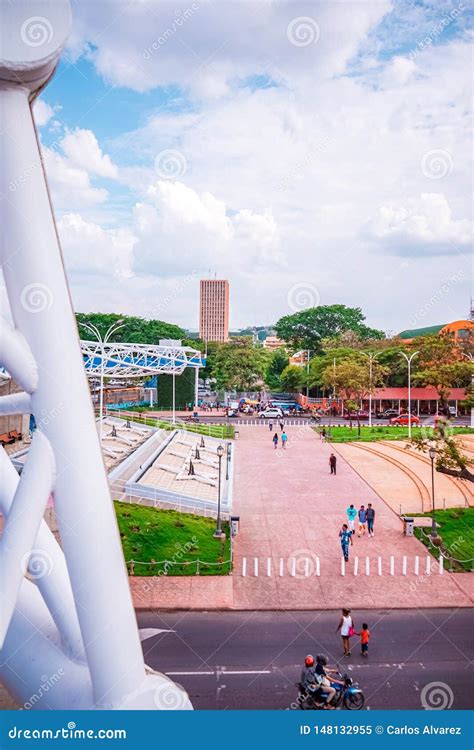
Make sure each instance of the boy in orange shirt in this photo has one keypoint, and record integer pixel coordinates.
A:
(364, 639)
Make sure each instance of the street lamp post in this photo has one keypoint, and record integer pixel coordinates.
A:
(371, 357)
(229, 449)
(307, 373)
(409, 361)
(220, 453)
(432, 455)
(470, 357)
(102, 341)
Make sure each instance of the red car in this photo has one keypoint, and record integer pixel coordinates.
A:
(403, 419)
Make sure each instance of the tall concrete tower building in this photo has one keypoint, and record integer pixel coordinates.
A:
(214, 310)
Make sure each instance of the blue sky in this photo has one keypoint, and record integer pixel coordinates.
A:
(273, 143)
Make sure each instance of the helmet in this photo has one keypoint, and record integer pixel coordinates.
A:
(309, 661)
(321, 659)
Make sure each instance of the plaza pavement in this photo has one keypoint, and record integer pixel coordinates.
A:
(291, 507)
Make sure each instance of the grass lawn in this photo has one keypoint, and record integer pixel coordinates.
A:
(224, 432)
(456, 528)
(155, 536)
(344, 434)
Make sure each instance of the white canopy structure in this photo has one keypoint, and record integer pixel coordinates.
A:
(138, 360)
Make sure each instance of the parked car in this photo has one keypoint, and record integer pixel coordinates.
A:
(271, 413)
(357, 415)
(388, 414)
(404, 419)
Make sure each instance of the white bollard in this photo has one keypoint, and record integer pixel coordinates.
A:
(343, 567)
(356, 565)
(428, 565)
(306, 567)
(379, 566)
(269, 566)
(244, 567)
(392, 565)
(367, 566)
(417, 565)
(441, 564)
(281, 567)
(293, 567)
(318, 570)
(404, 565)
(256, 567)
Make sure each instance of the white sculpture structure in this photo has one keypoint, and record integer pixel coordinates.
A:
(69, 622)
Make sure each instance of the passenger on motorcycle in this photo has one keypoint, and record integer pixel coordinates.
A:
(325, 677)
(308, 678)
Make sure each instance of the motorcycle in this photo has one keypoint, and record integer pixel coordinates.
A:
(349, 696)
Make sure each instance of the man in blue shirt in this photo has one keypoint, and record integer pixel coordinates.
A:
(346, 539)
(351, 514)
(362, 520)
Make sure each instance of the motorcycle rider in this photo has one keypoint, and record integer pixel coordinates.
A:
(308, 678)
(324, 676)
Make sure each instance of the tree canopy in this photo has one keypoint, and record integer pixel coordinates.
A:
(134, 330)
(307, 329)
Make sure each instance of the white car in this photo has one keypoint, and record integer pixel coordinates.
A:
(271, 413)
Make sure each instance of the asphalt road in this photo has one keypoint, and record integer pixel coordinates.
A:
(208, 417)
(251, 660)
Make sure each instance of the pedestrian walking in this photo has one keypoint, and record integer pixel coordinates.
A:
(364, 639)
(362, 520)
(270, 426)
(346, 539)
(275, 440)
(282, 426)
(351, 514)
(284, 438)
(323, 435)
(370, 515)
(332, 463)
(346, 626)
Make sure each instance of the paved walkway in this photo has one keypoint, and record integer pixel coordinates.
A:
(291, 507)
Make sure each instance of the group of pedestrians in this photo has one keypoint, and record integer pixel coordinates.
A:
(365, 518)
(276, 439)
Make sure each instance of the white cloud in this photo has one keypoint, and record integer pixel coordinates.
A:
(71, 186)
(42, 112)
(83, 151)
(423, 226)
(90, 249)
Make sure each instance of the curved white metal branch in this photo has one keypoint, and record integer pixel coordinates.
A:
(15, 403)
(22, 526)
(17, 358)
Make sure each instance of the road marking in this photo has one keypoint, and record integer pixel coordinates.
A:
(222, 670)
(173, 674)
(146, 633)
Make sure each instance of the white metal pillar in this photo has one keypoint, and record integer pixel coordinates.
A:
(41, 309)
(174, 396)
(196, 388)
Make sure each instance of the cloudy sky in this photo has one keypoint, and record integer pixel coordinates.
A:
(310, 152)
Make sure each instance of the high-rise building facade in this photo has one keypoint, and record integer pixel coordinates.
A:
(214, 310)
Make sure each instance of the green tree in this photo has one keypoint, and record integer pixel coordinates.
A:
(450, 458)
(352, 382)
(292, 378)
(134, 330)
(276, 364)
(440, 364)
(307, 329)
(239, 365)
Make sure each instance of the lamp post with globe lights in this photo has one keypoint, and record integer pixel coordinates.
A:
(220, 453)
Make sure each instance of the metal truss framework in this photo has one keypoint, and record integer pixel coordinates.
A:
(137, 360)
